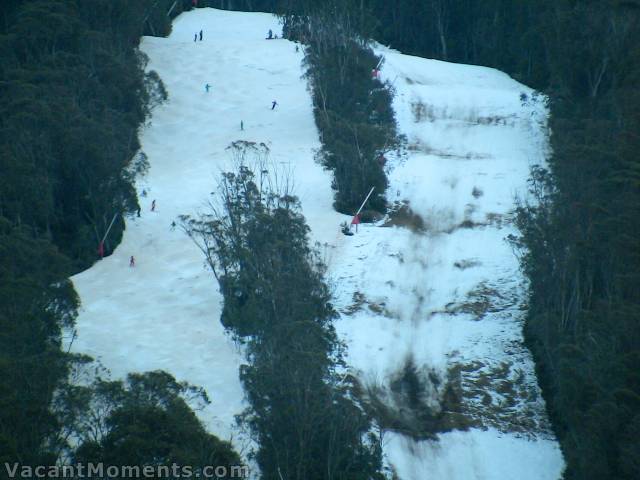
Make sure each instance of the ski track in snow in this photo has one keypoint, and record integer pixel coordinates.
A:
(473, 131)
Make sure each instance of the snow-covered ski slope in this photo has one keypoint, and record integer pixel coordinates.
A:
(401, 292)
(445, 290)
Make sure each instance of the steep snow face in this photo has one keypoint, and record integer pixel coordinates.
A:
(449, 294)
(443, 294)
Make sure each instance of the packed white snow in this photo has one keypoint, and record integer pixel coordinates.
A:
(471, 139)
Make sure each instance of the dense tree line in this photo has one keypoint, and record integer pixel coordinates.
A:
(301, 412)
(353, 113)
(73, 93)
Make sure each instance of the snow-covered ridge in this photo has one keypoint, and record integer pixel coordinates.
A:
(470, 142)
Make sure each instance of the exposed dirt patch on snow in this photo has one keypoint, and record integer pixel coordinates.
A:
(401, 215)
(417, 402)
(467, 263)
(479, 301)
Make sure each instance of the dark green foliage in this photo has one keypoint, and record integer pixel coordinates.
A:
(143, 421)
(356, 122)
(353, 110)
(72, 96)
(36, 303)
(276, 302)
(273, 243)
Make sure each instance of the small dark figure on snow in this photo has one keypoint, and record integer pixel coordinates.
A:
(273, 104)
(173, 225)
(195, 37)
(297, 49)
(241, 125)
(270, 36)
(345, 229)
(132, 261)
(207, 87)
(138, 211)
(153, 206)
(144, 193)
(200, 35)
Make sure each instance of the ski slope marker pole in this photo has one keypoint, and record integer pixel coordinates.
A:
(171, 9)
(110, 225)
(365, 200)
(101, 244)
(362, 206)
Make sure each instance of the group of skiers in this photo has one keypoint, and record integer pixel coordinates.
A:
(198, 37)
(132, 260)
(207, 87)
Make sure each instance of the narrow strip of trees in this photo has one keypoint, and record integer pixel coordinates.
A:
(352, 107)
(301, 412)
